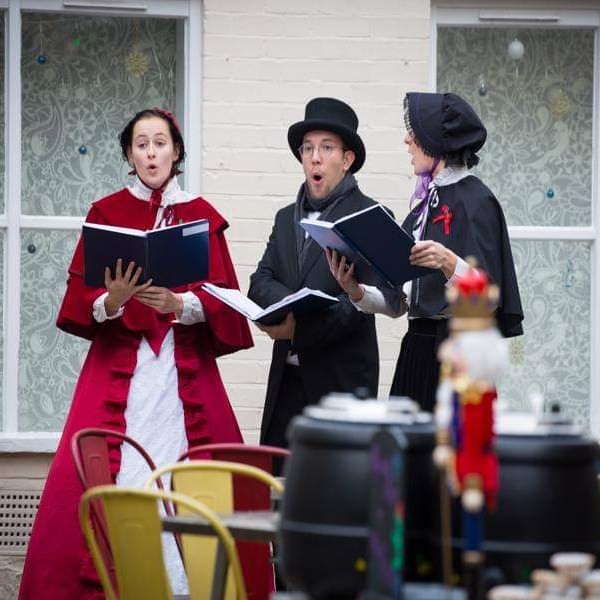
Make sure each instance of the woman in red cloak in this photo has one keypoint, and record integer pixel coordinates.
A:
(151, 369)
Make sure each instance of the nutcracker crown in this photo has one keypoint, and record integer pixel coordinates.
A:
(473, 300)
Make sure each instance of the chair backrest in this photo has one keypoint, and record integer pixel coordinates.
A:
(134, 533)
(90, 449)
(211, 482)
(256, 456)
(248, 494)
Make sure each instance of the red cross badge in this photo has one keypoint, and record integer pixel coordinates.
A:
(445, 217)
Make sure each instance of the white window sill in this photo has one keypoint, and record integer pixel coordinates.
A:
(38, 442)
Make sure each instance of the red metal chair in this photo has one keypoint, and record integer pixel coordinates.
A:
(90, 450)
(248, 494)
(255, 456)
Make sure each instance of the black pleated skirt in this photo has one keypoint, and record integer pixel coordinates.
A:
(418, 369)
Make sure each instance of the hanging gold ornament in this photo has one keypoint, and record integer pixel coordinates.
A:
(137, 63)
(559, 104)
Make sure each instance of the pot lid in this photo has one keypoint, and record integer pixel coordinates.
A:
(347, 408)
(528, 423)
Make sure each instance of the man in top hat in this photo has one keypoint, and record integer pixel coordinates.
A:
(334, 350)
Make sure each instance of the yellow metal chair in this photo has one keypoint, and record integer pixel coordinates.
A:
(134, 534)
(210, 482)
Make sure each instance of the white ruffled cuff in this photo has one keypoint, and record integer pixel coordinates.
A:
(99, 310)
(459, 271)
(192, 312)
(373, 301)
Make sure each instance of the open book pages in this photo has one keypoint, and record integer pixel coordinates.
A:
(242, 304)
(235, 299)
(199, 225)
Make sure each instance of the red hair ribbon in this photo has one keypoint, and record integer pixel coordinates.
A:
(445, 217)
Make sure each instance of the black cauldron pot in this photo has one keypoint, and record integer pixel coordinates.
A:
(548, 500)
(323, 537)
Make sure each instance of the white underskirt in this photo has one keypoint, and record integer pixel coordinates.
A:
(154, 418)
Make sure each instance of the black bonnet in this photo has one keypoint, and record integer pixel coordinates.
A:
(444, 125)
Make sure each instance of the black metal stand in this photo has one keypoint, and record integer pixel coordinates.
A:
(473, 563)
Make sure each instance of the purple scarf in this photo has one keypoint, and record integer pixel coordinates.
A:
(418, 201)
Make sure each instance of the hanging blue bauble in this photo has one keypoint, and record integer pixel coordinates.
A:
(550, 193)
(82, 149)
(41, 59)
(569, 275)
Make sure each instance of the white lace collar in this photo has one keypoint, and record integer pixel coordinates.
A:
(172, 194)
(450, 175)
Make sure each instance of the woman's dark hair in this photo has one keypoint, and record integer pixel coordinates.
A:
(126, 136)
(467, 158)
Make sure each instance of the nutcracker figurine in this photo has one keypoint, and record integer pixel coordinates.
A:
(473, 358)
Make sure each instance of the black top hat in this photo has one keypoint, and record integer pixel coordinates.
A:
(444, 125)
(332, 115)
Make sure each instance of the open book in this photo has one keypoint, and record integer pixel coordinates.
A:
(302, 301)
(373, 241)
(171, 256)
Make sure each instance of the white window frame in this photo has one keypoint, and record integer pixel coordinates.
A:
(13, 222)
(479, 15)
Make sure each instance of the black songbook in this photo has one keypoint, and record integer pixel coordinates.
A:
(302, 301)
(171, 256)
(374, 242)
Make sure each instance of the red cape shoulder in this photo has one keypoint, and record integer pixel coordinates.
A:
(118, 207)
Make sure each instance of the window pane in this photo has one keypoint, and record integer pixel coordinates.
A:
(83, 78)
(49, 360)
(2, 165)
(2, 255)
(538, 111)
(553, 356)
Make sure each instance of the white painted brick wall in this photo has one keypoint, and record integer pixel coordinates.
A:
(263, 60)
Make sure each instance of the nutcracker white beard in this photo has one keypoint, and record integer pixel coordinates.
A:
(480, 355)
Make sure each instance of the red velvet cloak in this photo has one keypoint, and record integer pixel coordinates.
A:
(58, 565)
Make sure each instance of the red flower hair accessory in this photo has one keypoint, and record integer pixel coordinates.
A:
(169, 116)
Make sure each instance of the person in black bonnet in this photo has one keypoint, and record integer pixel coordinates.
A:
(453, 215)
(334, 350)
